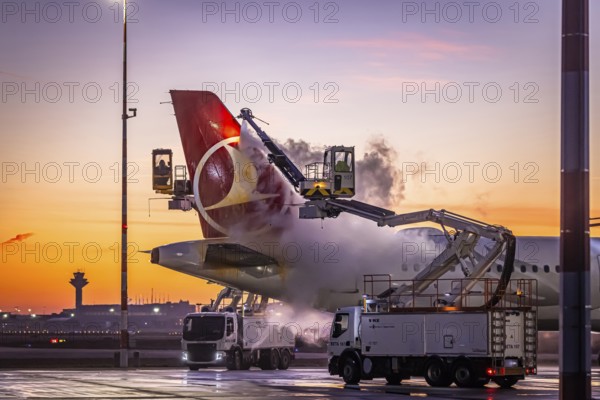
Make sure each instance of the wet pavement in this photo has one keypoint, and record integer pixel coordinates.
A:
(173, 383)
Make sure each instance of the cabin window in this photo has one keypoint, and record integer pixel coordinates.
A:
(229, 326)
(343, 161)
(523, 269)
(499, 268)
(546, 268)
(534, 268)
(340, 325)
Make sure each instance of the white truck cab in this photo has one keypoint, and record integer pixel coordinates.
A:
(235, 341)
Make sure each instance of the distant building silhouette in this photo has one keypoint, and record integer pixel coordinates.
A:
(153, 317)
(78, 282)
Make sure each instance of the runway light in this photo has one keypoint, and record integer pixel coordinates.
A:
(156, 309)
(72, 315)
(112, 310)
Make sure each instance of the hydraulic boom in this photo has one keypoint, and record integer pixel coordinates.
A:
(276, 155)
(324, 194)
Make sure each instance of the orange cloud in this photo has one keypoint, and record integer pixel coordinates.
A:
(19, 238)
(416, 45)
(13, 75)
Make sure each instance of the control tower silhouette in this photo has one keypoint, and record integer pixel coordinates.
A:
(78, 282)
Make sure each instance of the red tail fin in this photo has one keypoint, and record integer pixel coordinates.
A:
(209, 135)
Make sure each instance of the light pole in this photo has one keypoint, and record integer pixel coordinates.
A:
(124, 334)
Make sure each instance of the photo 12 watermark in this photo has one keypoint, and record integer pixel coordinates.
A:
(289, 92)
(469, 92)
(66, 92)
(37, 252)
(471, 12)
(65, 172)
(253, 12)
(470, 172)
(54, 12)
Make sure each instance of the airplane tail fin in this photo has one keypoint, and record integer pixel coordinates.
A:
(229, 187)
(205, 124)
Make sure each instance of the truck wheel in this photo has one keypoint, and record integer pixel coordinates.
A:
(505, 382)
(436, 373)
(235, 362)
(263, 360)
(273, 359)
(350, 371)
(269, 360)
(463, 374)
(246, 362)
(284, 359)
(394, 379)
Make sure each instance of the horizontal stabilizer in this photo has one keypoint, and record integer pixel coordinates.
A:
(236, 255)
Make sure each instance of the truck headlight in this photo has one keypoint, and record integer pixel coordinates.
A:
(220, 355)
(184, 356)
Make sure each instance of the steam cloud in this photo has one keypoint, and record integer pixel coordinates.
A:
(314, 253)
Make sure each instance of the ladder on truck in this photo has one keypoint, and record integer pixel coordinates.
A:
(460, 246)
(531, 338)
(230, 299)
(497, 333)
(498, 336)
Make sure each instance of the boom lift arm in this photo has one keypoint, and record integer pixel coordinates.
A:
(332, 178)
(460, 246)
(276, 155)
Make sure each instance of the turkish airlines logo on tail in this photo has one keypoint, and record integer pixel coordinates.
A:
(242, 191)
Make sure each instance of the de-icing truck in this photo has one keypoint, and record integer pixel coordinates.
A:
(227, 338)
(441, 335)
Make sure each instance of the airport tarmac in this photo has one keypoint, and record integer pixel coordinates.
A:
(179, 383)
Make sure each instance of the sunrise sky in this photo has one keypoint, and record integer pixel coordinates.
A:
(470, 92)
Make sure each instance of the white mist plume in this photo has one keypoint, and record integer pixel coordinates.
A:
(314, 253)
(312, 325)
